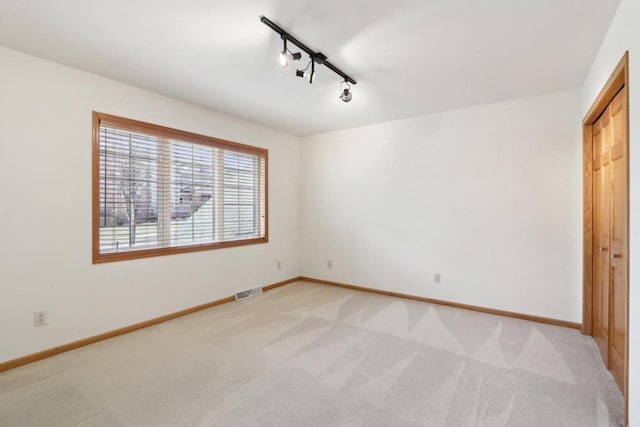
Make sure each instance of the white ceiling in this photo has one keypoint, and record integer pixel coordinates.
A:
(410, 57)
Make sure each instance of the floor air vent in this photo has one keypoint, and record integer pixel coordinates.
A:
(248, 294)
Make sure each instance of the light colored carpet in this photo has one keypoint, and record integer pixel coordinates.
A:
(313, 355)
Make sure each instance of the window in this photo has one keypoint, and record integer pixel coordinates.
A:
(159, 191)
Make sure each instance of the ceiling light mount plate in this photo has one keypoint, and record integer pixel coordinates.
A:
(320, 58)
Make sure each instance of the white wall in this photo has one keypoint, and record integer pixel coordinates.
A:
(488, 196)
(45, 211)
(623, 35)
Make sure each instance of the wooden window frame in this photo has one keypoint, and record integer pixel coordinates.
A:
(170, 133)
(619, 78)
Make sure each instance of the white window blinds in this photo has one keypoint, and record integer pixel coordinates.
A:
(158, 192)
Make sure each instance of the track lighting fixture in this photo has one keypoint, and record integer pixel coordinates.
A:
(284, 61)
(286, 55)
(294, 56)
(313, 71)
(303, 73)
(314, 58)
(345, 94)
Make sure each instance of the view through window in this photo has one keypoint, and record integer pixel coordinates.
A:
(159, 193)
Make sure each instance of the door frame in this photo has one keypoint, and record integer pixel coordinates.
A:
(618, 79)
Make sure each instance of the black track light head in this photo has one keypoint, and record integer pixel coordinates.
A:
(286, 55)
(313, 71)
(304, 72)
(345, 94)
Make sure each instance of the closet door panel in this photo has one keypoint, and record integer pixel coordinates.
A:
(600, 244)
(618, 239)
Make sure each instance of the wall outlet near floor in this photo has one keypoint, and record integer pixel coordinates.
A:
(279, 265)
(436, 278)
(39, 318)
(329, 264)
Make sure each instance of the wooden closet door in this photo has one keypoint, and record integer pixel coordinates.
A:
(601, 207)
(618, 239)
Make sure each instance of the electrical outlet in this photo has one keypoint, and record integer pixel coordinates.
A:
(329, 264)
(39, 318)
(436, 278)
(279, 265)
